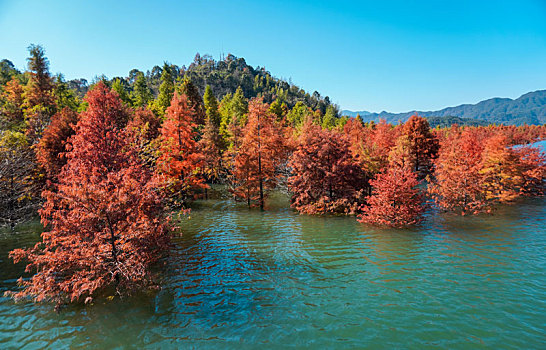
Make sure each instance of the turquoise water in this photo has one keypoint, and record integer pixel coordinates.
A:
(245, 279)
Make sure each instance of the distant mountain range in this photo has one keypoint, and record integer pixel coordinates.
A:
(527, 109)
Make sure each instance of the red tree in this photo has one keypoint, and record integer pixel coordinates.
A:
(423, 143)
(532, 166)
(396, 201)
(180, 160)
(373, 149)
(51, 149)
(457, 184)
(325, 177)
(258, 154)
(105, 226)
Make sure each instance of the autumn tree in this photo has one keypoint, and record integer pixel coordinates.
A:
(424, 145)
(143, 130)
(457, 183)
(105, 226)
(180, 160)
(11, 108)
(375, 148)
(51, 149)
(258, 155)
(501, 175)
(396, 201)
(325, 178)
(532, 166)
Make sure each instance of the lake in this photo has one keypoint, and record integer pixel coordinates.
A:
(239, 278)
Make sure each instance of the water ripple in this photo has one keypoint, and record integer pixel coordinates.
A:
(239, 279)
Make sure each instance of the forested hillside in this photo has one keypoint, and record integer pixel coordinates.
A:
(224, 77)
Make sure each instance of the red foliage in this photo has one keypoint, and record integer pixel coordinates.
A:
(258, 154)
(50, 150)
(374, 147)
(325, 177)
(180, 161)
(396, 201)
(532, 166)
(146, 123)
(105, 226)
(423, 144)
(457, 184)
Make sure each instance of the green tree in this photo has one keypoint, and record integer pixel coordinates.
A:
(119, 87)
(233, 109)
(195, 101)
(297, 115)
(64, 96)
(166, 91)
(211, 107)
(329, 119)
(141, 92)
(40, 103)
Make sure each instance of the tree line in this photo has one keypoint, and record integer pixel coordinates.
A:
(108, 171)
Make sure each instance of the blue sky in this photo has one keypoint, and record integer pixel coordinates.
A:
(366, 55)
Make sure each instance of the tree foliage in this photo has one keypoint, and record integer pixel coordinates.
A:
(179, 161)
(51, 149)
(105, 224)
(257, 155)
(396, 200)
(325, 178)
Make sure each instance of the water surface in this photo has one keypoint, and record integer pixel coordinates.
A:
(275, 279)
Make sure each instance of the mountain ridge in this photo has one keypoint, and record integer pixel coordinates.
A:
(529, 108)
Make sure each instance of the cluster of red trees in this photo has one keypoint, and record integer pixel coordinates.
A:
(110, 175)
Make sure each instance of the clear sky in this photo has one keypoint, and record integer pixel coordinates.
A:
(394, 55)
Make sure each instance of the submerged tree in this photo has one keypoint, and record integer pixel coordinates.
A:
(457, 183)
(104, 222)
(396, 201)
(423, 144)
(325, 178)
(501, 176)
(180, 161)
(258, 155)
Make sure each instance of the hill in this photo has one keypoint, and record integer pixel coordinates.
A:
(224, 76)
